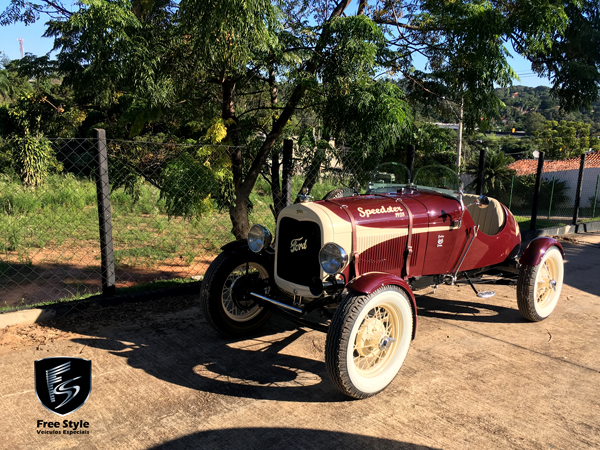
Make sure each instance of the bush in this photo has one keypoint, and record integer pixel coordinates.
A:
(31, 158)
(524, 189)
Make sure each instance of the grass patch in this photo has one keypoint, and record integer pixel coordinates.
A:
(54, 228)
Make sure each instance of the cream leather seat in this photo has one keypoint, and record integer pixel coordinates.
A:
(490, 219)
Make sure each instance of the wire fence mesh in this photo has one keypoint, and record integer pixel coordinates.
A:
(170, 207)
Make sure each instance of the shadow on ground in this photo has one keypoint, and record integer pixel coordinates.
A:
(467, 311)
(260, 438)
(185, 351)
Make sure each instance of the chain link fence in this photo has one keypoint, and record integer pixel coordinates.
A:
(169, 208)
(568, 191)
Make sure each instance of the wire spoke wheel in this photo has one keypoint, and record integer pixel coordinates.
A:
(539, 286)
(375, 340)
(368, 340)
(224, 297)
(236, 308)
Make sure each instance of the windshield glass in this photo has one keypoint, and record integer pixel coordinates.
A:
(437, 177)
(388, 177)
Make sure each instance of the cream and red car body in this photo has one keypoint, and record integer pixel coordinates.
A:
(393, 241)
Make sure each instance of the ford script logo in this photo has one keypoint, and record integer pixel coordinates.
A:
(298, 245)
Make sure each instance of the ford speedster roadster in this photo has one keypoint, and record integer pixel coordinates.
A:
(356, 260)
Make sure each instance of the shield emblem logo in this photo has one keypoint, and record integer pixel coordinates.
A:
(63, 384)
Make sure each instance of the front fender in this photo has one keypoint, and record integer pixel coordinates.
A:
(371, 281)
(241, 246)
(537, 248)
(235, 246)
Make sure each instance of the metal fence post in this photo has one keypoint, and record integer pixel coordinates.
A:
(578, 191)
(512, 182)
(536, 192)
(104, 215)
(481, 171)
(595, 196)
(286, 182)
(551, 196)
(410, 161)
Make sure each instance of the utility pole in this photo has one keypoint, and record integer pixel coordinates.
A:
(21, 46)
(460, 129)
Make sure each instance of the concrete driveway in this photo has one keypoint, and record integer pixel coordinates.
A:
(477, 376)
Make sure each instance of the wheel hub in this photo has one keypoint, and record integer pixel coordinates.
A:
(546, 283)
(240, 292)
(370, 337)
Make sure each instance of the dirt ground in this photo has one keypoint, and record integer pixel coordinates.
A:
(476, 376)
(72, 269)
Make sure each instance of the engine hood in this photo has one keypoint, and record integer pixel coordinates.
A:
(381, 231)
(384, 211)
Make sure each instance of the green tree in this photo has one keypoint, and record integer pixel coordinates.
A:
(256, 64)
(566, 139)
(534, 122)
(497, 175)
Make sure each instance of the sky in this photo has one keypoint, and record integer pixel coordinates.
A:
(34, 43)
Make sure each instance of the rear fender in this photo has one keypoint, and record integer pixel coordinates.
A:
(371, 281)
(536, 249)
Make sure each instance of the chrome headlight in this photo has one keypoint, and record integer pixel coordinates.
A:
(259, 237)
(332, 258)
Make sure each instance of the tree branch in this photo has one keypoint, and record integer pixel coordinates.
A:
(397, 24)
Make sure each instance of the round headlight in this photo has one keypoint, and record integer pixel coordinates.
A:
(332, 258)
(259, 237)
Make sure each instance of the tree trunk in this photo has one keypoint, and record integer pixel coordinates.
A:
(277, 194)
(238, 212)
(313, 172)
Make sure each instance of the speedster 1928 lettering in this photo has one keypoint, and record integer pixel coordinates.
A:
(356, 260)
(382, 210)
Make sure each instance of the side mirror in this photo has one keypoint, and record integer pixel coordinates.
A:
(482, 201)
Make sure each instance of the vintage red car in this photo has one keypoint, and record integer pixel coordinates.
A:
(356, 259)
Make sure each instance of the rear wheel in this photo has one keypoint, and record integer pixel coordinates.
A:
(368, 340)
(539, 286)
(225, 299)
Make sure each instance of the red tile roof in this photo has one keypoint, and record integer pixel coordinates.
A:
(529, 166)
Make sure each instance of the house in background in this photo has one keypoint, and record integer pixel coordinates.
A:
(566, 170)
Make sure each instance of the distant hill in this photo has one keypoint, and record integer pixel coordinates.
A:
(522, 100)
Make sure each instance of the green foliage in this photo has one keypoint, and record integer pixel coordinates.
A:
(224, 37)
(371, 118)
(33, 159)
(565, 139)
(434, 145)
(524, 189)
(187, 186)
(497, 175)
(35, 113)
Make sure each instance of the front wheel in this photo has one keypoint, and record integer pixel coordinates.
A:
(224, 297)
(368, 340)
(539, 286)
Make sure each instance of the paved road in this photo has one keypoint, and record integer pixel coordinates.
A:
(477, 376)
